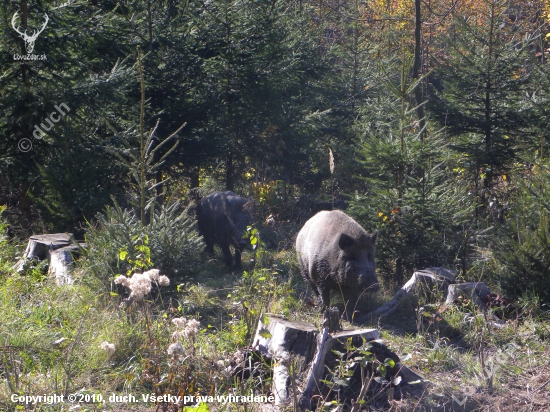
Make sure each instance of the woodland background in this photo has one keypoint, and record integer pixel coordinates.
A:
(436, 112)
(429, 118)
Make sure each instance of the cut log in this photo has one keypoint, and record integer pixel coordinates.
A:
(430, 278)
(474, 291)
(58, 249)
(442, 273)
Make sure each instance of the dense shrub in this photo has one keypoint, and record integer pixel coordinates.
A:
(119, 242)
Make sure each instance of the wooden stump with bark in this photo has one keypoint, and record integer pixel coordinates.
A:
(427, 279)
(285, 341)
(58, 249)
(292, 343)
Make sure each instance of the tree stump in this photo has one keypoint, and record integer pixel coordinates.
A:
(287, 341)
(325, 344)
(58, 249)
(426, 279)
(472, 290)
(278, 338)
(61, 264)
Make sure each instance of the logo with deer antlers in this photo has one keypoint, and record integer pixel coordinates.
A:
(29, 40)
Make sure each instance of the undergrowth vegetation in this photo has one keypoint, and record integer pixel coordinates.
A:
(185, 338)
(119, 242)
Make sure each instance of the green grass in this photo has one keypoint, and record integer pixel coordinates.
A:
(51, 336)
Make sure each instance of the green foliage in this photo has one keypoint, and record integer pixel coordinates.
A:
(523, 250)
(482, 93)
(408, 197)
(261, 291)
(142, 253)
(172, 243)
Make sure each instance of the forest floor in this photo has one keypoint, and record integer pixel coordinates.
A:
(52, 342)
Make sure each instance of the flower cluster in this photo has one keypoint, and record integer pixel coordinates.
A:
(186, 328)
(140, 283)
(228, 366)
(176, 351)
(108, 347)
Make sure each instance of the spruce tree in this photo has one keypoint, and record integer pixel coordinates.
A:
(481, 96)
(407, 195)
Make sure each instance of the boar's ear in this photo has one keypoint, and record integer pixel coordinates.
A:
(345, 241)
(374, 236)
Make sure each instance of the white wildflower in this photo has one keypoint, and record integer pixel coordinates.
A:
(179, 322)
(140, 285)
(176, 351)
(192, 327)
(122, 280)
(178, 335)
(163, 280)
(186, 328)
(152, 274)
(108, 347)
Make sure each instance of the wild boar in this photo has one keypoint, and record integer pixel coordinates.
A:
(222, 218)
(335, 252)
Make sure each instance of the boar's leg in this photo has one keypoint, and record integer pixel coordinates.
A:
(238, 252)
(324, 294)
(227, 254)
(209, 248)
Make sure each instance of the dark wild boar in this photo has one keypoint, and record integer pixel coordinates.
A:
(222, 218)
(335, 252)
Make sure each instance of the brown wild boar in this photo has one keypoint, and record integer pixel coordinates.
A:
(335, 252)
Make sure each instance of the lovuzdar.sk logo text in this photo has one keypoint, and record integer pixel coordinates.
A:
(28, 39)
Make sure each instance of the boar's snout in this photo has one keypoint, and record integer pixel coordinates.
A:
(369, 283)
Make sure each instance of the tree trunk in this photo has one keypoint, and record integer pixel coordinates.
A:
(194, 177)
(24, 21)
(418, 66)
(439, 277)
(25, 203)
